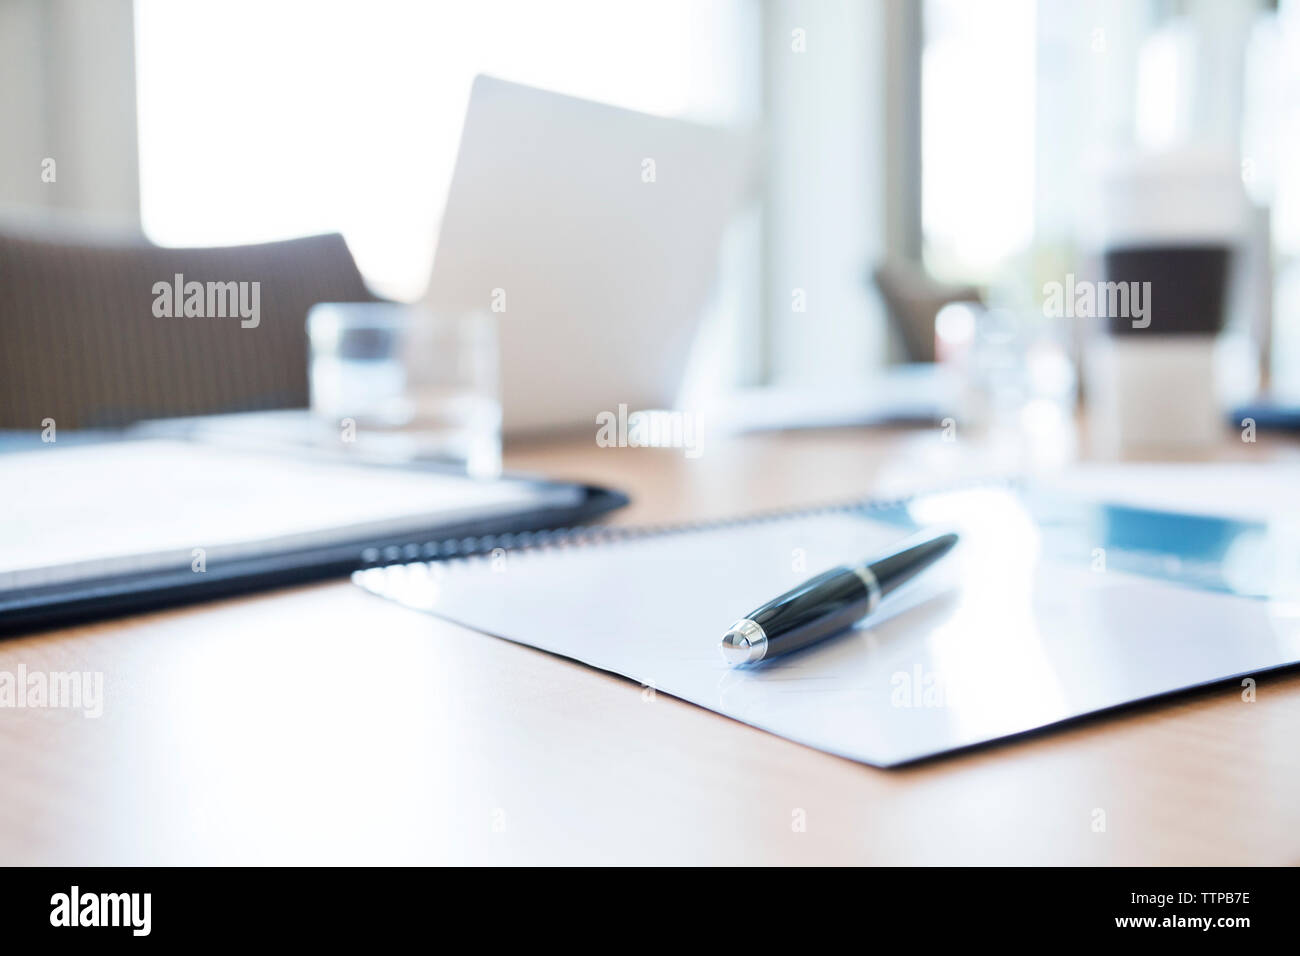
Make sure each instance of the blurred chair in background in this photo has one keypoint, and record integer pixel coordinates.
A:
(913, 298)
(80, 342)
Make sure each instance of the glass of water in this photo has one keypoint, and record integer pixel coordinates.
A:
(401, 383)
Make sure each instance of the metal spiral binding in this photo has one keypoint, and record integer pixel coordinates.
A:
(450, 552)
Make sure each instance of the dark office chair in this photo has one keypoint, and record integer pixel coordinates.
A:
(80, 343)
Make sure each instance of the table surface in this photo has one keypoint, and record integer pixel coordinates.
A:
(320, 724)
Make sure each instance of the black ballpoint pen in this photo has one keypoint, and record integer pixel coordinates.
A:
(827, 604)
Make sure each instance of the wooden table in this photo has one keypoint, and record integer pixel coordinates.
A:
(323, 725)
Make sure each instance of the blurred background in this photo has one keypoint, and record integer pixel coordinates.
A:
(916, 152)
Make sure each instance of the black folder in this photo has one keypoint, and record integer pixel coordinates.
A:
(45, 597)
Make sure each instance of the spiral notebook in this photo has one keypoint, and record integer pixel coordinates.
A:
(1053, 606)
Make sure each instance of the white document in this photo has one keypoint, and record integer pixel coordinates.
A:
(997, 639)
(77, 512)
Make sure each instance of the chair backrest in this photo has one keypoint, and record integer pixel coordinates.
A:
(90, 337)
(913, 299)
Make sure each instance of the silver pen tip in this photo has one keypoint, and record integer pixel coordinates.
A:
(744, 643)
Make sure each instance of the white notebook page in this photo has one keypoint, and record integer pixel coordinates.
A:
(991, 642)
(82, 510)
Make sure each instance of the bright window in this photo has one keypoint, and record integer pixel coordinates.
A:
(977, 135)
(264, 119)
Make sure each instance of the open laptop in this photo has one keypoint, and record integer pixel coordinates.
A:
(593, 233)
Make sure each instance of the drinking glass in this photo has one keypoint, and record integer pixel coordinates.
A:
(402, 383)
